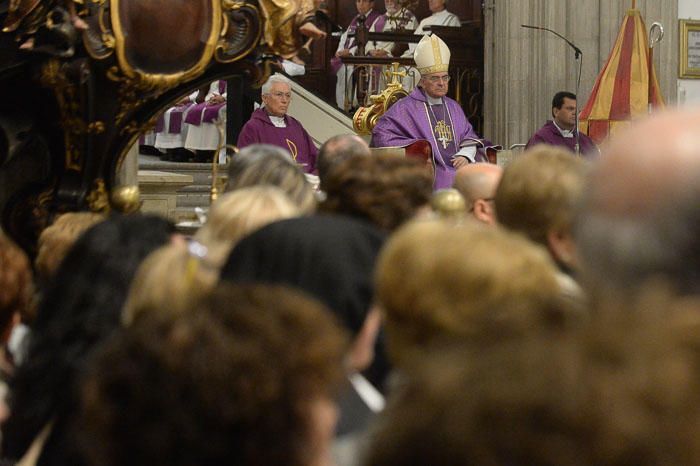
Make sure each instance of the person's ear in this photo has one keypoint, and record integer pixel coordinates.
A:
(561, 246)
(362, 350)
(484, 212)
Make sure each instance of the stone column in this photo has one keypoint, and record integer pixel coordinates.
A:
(524, 68)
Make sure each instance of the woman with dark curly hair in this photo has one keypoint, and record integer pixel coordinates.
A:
(247, 378)
(15, 299)
(80, 308)
(386, 190)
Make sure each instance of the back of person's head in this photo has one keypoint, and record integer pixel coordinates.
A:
(538, 196)
(639, 219)
(336, 150)
(248, 377)
(173, 277)
(265, 164)
(436, 280)
(238, 213)
(330, 257)
(385, 189)
(624, 391)
(57, 239)
(80, 307)
(16, 285)
(477, 181)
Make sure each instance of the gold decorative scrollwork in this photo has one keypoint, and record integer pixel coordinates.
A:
(365, 118)
(133, 92)
(98, 199)
(240, 32)
(53, 75)
(164, 81)
(126, 199)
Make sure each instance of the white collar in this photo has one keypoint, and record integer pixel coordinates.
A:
(567, 133)
(278, 121)
(433, 100)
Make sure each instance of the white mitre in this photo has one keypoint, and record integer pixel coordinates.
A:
(432, 55)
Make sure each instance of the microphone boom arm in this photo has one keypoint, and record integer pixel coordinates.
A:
(579, 58)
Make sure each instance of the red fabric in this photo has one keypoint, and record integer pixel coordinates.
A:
(620, 108)
(598, 130)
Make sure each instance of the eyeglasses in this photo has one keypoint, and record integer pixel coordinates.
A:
(435, 79)
(279, 95)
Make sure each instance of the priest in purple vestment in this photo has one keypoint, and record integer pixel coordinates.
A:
(428, 114)
(560, 131)
(270, 124)
(347, 47)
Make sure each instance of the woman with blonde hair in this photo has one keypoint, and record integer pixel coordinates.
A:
(178, 275)
(238, 213)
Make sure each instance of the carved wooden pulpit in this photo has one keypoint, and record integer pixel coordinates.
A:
(75, 98)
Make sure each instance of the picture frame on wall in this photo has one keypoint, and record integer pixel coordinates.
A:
(689, 49)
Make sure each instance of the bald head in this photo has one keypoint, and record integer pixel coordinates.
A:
(337, 149)
(647, 163)
(477, 182)
(641, 218)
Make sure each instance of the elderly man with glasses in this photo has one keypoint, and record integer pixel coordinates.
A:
(270, 124)
(427, 114)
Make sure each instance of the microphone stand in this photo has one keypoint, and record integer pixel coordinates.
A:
(579, 59)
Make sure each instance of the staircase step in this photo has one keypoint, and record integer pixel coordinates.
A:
(181, 214)
(195, 189)
(200, 172)
(193, 200)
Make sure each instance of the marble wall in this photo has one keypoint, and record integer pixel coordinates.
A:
(524, 68)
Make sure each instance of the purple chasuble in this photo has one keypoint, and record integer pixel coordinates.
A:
(411, 119)
(294, 138)
(204, 112)
(550, 134)
(174, 119)
(350, 41)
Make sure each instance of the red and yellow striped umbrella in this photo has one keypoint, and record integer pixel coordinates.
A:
(627, 84)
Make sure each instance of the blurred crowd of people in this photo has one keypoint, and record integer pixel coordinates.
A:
(552, 318)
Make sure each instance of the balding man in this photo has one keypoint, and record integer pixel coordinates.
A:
(640, 219)
(477, 182)
(336, 150)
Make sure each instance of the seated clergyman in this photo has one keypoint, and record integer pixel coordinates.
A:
(427, 114)
(270, 124)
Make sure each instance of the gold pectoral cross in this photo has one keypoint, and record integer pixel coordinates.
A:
(444, 133)
(292, 149)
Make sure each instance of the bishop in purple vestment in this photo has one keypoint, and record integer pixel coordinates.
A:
(271, 125)
(561, 130)
(428, 114)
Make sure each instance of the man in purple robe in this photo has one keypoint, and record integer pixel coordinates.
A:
(561, 130)
(427, 114)
(270, 124)
(348, 46)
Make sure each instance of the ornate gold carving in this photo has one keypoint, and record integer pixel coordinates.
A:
(164, 81)
(246, 36)
(365, 118)
(448, 203)
(53, 75)
(98, 199)
(126, 199)
(216, 183)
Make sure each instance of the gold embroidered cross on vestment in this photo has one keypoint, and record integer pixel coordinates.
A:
(444, 133)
